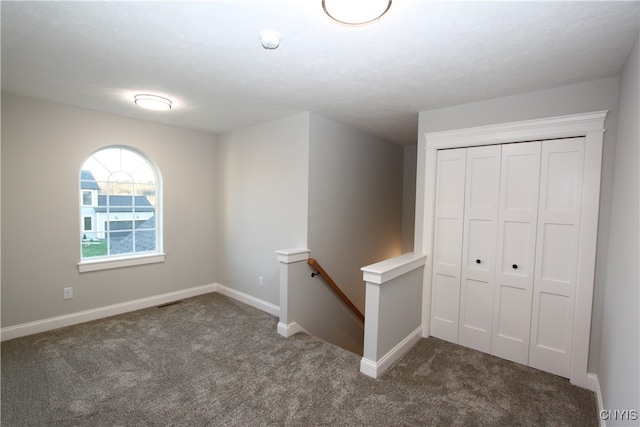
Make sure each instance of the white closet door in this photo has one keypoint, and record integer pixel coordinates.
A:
(447, 251)
(479, 247)
(557, 251)
(517, 219)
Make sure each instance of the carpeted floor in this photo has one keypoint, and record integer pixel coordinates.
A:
(212, 361)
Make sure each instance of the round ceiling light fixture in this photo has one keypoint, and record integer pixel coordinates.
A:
(355, 12)
(152, 102)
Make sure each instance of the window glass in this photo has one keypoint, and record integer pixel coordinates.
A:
(119, 205)
(87, 197)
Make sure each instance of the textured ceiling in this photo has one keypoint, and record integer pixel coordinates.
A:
(206, 56)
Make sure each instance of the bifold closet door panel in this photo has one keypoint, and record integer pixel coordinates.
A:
(558, 245)
(517, 220)
(479, 246)
(447, 251)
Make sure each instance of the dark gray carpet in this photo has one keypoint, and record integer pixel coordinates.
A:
(212, 361)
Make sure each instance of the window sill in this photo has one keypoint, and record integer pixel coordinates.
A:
(106, 264)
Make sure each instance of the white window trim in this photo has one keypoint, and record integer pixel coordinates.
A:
(128, 261)
(131, 259)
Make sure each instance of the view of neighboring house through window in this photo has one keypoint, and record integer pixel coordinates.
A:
(119, 196)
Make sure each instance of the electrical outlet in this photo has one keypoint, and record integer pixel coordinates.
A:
(260, 281)
(68, 293)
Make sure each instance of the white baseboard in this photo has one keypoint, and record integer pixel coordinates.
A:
(249, 300)
(594, 385)
(290, 329)
(375, 369)
(49, 324)
(52, 323)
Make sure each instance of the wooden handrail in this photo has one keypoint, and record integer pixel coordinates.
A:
(313, 263)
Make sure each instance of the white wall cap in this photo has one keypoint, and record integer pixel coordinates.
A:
(389, 269)
(287, 256)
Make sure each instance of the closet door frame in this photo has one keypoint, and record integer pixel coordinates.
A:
(588, 125)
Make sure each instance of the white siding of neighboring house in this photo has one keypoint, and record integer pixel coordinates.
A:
(101, 219)
(88, 211)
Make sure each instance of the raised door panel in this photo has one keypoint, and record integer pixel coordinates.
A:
(516, 243)
(561, 182)
(447, 250)
(479, 244)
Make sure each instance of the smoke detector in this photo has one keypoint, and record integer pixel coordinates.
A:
(270, 39)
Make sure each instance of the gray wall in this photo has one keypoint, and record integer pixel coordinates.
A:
(262, 176)
(319, 311)
(230, 201)
(392, 328)
(355, 202)
(619, 348)
(43, 147)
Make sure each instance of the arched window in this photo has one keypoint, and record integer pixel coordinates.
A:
(120, 209)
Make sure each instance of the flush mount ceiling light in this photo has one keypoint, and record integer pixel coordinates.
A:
(152, 102)
(355, 12)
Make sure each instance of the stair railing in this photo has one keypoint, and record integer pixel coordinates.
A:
(332, 284)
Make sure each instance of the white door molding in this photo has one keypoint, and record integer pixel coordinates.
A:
(589, 125)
